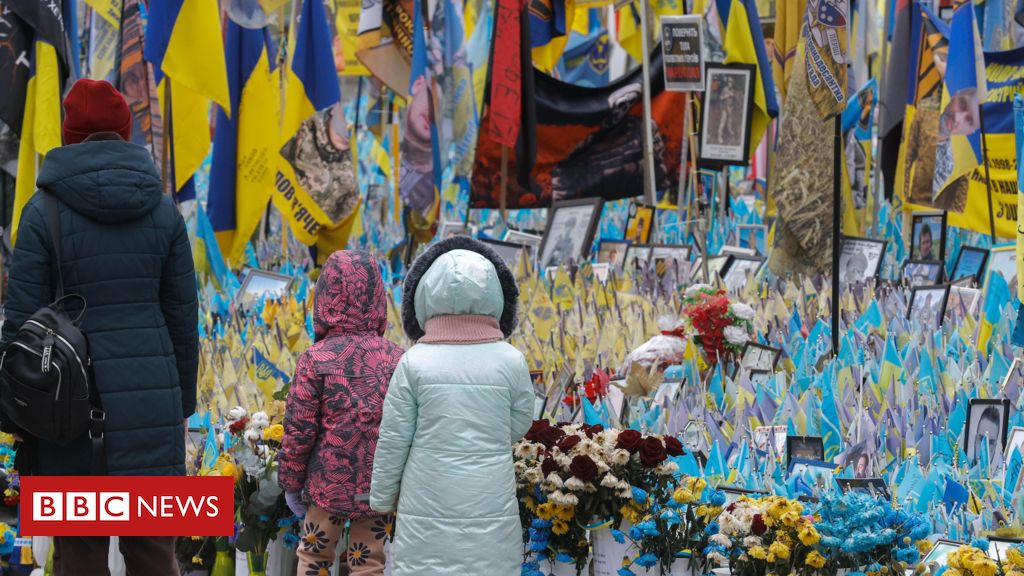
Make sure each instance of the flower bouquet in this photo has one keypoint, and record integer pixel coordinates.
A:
(860, 532)
(260, 509)
(769, 535)
(721, 327)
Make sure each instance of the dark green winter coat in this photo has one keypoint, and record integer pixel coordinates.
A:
(126, 251)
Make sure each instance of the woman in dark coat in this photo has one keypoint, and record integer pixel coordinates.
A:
(125, 250)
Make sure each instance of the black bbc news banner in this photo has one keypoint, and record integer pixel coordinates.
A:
(682, 43)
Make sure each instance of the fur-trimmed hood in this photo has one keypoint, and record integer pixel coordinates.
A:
(459, 275)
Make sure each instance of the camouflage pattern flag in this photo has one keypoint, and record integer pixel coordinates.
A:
(826, 39)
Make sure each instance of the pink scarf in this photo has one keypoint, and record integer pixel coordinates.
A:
(462, 329)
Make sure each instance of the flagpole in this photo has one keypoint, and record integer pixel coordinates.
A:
(876, 182)
(645, 62)
(988, 176)
(836, 232)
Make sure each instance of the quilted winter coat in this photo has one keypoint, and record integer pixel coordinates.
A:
(337, 394)
(452, 413)
(126, 251)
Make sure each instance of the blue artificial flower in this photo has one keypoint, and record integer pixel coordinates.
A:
(625, 572)
(618, 536)
(713, 497)
(639, 495)
(263, 518)
(538, 523)
(874, 567)
(712, 528)
(980, 544)
(909, 555)
(564, 558)
(647, 560)
(670, 517)
(291, 540)
(538, 546)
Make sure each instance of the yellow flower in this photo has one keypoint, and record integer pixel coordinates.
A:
(758, 553)
(924, 547)
(779, 549)
(1015, 558)
(683, 496)
(815, 560)
(808, 535)
(196, 538)
(275, 432)
(546, 511)
(559, 527)
(228, 469)
(198, 561)
(565, 513)
(1014, 573)
(696, 485)
(530, 504)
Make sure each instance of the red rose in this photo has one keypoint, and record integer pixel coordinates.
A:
(583, 468)
(652, 452)
(568, 443)
(535, 429)
(673, 447)
(757, 525)
(550, 436)
(239, 426)
(548, 466)
(629, 440)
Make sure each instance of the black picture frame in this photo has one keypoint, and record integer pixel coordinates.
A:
(983, 405)
(640, 210)
(935, 267)
(795, 446)
(718, 265)
(931, 219)
(595, 205)
(776, 353)
(916, 290)
(247, 296)
(873, 268)
(611, 242)
(731, 268)
(977, 273)
(505, 250)
(714, 154)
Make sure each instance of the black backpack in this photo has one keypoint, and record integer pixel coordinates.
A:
(45, 372)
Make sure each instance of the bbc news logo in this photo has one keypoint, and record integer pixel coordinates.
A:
(127, 506)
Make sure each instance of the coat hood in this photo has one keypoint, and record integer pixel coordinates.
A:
(459, 276)
(349, 296)
(106, 181)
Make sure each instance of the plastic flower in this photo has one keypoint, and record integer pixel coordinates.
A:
(274, 433)
(758, 553)
(237, 413)
(780, 550)
(815, 560)
(735, 335)
(808, 535)
(559, 527)
(741, 311)
(694, 289)
(260, 420)
(1015, 557)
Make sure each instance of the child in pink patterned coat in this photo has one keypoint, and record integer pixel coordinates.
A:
(333, 415)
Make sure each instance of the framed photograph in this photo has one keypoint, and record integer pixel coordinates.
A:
(637, 257)
(639, 223)
(718, 264)
(759, 357)
(997, 546)
(601, 272)
(987, 421)
(858, 458)
(740, 270)
(970, 262)
(940, 552)
(1014, 380)
(612, 252)
(738, 251)
(261, 284)
(814, 477)
(928, 240)
(1003, 260)
(922, 272)
(860, 259)
(874, 487)
(531, 241)
(928, 304)
(771, 438)
(449, 229)
(683, 52)
(725, 126)
(962, 302)
(1015, 441)
(509, 252)
(570, 231)
(666, 256)
(805, 448)
(754, 236)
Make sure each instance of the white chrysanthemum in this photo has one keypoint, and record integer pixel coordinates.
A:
(601, 466)
(718, 559)
(589, 488)
(526, 451)
(533, 475)
(562, 499)
(694, 289)
(666, 468)
(554, 480)
(751, 541)
(260, 420)
(741, 311)
(563, 461)
(609, 481)
(237, 413)
(619, 457)
(574, 484)
(721, 540)
(520, 467)
(624, 486)
(626, 492)
(735, 335)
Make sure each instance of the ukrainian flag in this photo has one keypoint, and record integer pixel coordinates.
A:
(185, 46)
(242, 177)
(311, 84)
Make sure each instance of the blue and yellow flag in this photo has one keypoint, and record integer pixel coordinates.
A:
(267, 376)
(181, 34)
(241, 178)
(311, 84)
(958, 151)
(31, 104)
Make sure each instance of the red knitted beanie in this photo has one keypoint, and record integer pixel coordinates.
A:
(95, 106)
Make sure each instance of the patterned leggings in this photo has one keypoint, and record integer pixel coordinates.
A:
(321, 532)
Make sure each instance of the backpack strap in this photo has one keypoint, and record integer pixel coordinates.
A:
(53, 223)
(97, 418)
